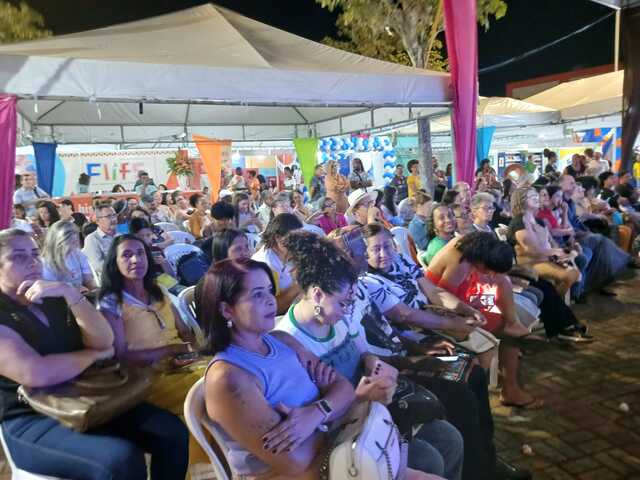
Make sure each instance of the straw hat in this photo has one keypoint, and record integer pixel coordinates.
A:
(358, 196)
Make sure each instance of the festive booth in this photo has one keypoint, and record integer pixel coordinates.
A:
(206, 72)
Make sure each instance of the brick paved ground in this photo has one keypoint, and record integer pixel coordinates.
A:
(581, 434)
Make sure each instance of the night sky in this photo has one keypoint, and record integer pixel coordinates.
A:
(527, 25)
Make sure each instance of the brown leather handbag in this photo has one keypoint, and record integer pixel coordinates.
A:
(92, 399)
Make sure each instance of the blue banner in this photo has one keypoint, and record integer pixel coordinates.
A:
(483, 145)
(45, 164)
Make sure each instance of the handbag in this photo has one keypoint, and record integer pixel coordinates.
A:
(413, 405)
(368, 447)
(94, 398)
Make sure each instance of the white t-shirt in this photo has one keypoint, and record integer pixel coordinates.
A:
(78, 265)
(341, 348)
(282, 272)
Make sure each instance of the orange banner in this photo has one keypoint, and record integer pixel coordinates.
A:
(214, 154)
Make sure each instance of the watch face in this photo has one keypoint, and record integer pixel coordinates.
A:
(325, 407)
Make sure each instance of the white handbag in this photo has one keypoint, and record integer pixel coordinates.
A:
(369, 447)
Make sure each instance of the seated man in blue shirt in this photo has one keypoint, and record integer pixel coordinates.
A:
(418, 225)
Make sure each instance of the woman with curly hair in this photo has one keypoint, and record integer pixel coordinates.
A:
(441, 227)
(318, 321)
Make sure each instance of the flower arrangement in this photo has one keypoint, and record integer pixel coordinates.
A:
(180, 164)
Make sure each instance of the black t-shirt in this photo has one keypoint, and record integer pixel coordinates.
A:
(61, 336)
(517, 224)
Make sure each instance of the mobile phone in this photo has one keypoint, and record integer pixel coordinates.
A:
(377, 367)
(449, 358)
(184, 357)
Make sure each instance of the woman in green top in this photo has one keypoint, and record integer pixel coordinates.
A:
(441, 226)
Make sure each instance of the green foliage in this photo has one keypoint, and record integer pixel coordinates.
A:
(401, 31)
(180, 164)
(20, 23)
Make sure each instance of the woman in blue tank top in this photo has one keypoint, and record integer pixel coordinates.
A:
(268, 405)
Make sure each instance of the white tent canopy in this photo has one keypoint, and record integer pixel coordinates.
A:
(498, 112)
(209, 71)
(588, 97)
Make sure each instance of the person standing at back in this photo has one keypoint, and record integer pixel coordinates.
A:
(29, 194)
(414, 183)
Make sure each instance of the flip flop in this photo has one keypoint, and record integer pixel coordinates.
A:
(535, 404)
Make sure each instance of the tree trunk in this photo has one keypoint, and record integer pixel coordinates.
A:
(426, 165)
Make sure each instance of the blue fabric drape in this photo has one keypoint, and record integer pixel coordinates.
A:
(483, 145)
(45, 164)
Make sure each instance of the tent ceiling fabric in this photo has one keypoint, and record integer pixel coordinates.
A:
(202, 67)
(498, 112)
(591, 96)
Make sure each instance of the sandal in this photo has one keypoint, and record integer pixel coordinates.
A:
(535, 404)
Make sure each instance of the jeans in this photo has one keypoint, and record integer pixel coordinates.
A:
(437, 448)
(582, 262)
(41, 445)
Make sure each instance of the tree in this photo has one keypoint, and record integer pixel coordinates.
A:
(402, 31)
(20, 23)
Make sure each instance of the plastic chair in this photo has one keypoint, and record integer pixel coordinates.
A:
(187, 308)
(177, 250)
(404, 242)
(253, 239)
(17, 473)
(181, 237)
(198, 421)
(167, 226)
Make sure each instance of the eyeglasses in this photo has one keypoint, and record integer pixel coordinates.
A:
(112, 215)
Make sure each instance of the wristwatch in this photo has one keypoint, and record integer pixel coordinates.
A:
(326, 410)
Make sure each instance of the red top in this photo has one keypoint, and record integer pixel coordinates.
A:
(474, 292)
(547, 214)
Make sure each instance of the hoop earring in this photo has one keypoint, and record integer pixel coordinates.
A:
(317, 311)
(229, 324)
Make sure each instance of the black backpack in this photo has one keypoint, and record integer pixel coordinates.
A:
(191, 268)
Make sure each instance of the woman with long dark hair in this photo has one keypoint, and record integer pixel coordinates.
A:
(50, 334)
(230, 243)
(258, 391)
(47, 213)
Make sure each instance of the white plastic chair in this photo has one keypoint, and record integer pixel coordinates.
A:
(181, 237)
(253, 239)
(167, 226)
(187, 308)
(401, 239)
(17, 473)
(177, 250)
(197, 420)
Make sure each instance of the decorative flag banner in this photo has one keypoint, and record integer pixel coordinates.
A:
(45, 154)
(462, 48)
(485, 135)
(306, 152)
(215, 155)
(8, 127)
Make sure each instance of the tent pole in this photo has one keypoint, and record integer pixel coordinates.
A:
(453, 149)
(616, 43)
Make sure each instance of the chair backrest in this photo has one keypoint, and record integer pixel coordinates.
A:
(181, 237)
(253, 239)
(197, 420)
(401, 239)
(17, 473)
(187, 308)
(177, 250)
(167, 226)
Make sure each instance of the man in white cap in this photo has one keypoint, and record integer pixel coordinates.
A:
(362, 209)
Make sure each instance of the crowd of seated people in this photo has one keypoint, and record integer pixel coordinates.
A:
(343, 294)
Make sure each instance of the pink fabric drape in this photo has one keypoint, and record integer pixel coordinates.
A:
(462, 48)
(8, 127)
